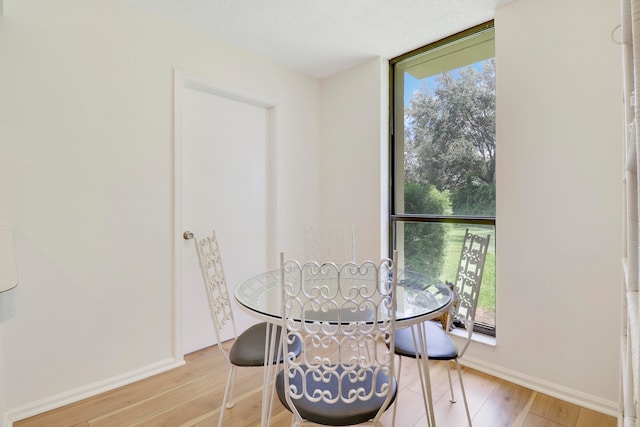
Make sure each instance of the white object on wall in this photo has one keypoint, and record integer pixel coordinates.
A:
(8, 272)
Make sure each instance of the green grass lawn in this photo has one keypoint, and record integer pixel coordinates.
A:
(486, 302)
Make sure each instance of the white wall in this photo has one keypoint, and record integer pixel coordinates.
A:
(2, 379)
(559, 200)
(353, 153)
(86, 90)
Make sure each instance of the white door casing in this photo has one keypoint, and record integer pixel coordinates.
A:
(224, 179)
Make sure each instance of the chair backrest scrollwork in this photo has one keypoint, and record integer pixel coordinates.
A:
(336, 244)
(469, 278)
(215, 282)
(344, 316)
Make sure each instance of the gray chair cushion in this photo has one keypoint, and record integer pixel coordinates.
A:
(248, 348)
(439, 345)
(340, 413)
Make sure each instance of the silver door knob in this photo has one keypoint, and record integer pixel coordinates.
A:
(187, 235)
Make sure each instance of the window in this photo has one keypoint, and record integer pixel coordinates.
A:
(443, 154)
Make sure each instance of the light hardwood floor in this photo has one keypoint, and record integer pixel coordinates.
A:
(190, 396)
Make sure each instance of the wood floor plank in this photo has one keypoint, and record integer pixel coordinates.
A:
(281, 418)
(591, 418)
(207, 405)
(199, 408)
(503, 407)
(147, 408)
(534, 420)
(410, 409)
(563, 413)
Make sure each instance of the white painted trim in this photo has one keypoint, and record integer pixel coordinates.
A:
(567, 394)
(183, 79)
(75, 395)
(196, 82)
(178, 86)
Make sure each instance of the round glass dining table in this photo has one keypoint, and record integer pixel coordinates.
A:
(419, 297)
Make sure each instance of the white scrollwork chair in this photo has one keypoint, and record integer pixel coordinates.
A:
(345, 373)
(248, 348)
(440, 346)
(335, 244)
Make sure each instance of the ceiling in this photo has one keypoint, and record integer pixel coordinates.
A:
(323, 37)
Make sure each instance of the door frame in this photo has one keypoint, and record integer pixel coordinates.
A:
(183, 80)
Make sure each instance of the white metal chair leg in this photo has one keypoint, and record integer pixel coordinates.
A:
(452, 399)
(227, 400)
(464, 395)
(274, 369)
(395, 403)
(267, 380)
(231, 386)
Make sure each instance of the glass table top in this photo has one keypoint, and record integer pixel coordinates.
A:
(419, 297)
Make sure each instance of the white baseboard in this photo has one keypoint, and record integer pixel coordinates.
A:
(586, 400)
(56, 401)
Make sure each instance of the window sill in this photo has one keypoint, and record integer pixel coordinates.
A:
(477, 337)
